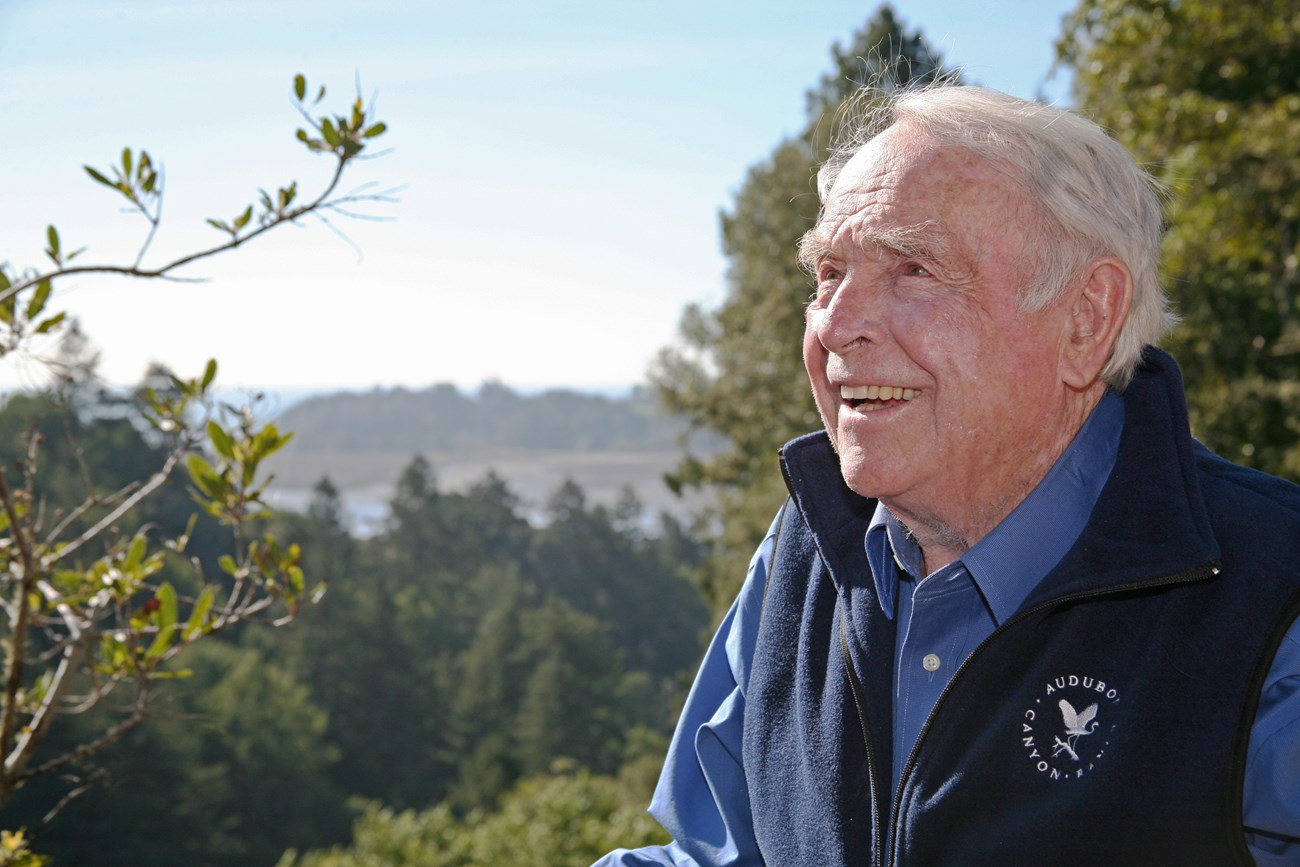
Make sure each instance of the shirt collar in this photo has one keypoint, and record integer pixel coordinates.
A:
(1008, 562)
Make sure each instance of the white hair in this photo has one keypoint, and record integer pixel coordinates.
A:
(1093, 199)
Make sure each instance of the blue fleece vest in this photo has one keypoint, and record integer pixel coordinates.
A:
(1106, 723)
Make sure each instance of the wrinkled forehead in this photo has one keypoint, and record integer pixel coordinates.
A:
(903, 183)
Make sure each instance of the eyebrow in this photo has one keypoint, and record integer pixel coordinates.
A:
(927, 240)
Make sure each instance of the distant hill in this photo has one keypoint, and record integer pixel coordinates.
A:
(443, 418)
(535, 442)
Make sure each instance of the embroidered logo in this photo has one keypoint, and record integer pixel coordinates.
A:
(1067, 729)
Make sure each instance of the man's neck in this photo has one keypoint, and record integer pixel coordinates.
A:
(946, 530)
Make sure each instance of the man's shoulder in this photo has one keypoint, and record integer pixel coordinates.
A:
(1255, 516)
(1232, 487)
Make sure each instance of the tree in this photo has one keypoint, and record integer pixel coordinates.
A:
(230, 771)
(568, 816)
(90, 606)
(739, 372)
(1206, 93)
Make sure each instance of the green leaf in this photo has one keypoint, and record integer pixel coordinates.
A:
(295, 580)
(242, 220)
(376, 129)
(134, 554)
(52, 323)
(183, 540)
(199, 613)
(268, 441)
(52, 235)
(40, 688)
(218, 224)
(114, 654)
(126, 162)
(209, 373)
(299, 87)
(205, 478)
(329, 133)
(166, 617)
(167, 604)
(37, 302)
(221, 441)
(99, 178)
(228, 564)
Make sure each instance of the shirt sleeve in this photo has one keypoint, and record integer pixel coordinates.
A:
(1271, 798)
(702, 798)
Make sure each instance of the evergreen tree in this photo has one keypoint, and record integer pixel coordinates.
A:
(231, 771)
(1206, 93)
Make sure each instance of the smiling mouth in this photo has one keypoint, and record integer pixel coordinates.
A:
(868, 398)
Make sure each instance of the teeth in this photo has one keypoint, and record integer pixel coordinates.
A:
(877, 392)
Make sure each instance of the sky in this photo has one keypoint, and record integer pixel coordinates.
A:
(561, 168)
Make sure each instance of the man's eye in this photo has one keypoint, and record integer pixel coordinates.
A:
(915, 270)
(829, 275)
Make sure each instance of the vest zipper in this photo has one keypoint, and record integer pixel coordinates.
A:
(876, 830)
(1201, 573)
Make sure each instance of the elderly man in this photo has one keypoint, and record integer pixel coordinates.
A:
(1012, 612)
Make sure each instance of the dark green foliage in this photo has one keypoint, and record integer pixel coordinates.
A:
(739, 372)
(455, 654)
(1206, 93)
(468, 648)
(231, 770)
(560, 819)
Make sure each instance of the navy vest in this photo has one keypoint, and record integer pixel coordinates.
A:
(1106, 723)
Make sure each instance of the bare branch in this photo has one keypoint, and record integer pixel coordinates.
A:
(165, 270)
(72, 794)
(155, 482)
(154, 220)
(138, 715)
(34, 734)
(18, 638)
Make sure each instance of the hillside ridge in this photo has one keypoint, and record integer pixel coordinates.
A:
(442, 417)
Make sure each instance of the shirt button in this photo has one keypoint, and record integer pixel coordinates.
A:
(931, 662)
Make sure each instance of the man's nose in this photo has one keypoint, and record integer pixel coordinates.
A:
(854, 315)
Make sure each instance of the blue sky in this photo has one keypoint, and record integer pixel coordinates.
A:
(562, 164)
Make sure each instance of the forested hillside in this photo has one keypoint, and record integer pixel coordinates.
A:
(455, 654)
(363, 440)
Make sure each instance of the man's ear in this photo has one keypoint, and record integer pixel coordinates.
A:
(1099, 305)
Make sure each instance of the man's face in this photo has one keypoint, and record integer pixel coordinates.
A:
(941, 397)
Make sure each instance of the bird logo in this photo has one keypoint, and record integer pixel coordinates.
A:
(1077, 724)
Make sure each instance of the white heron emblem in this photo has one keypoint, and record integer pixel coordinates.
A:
(1077, 724)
